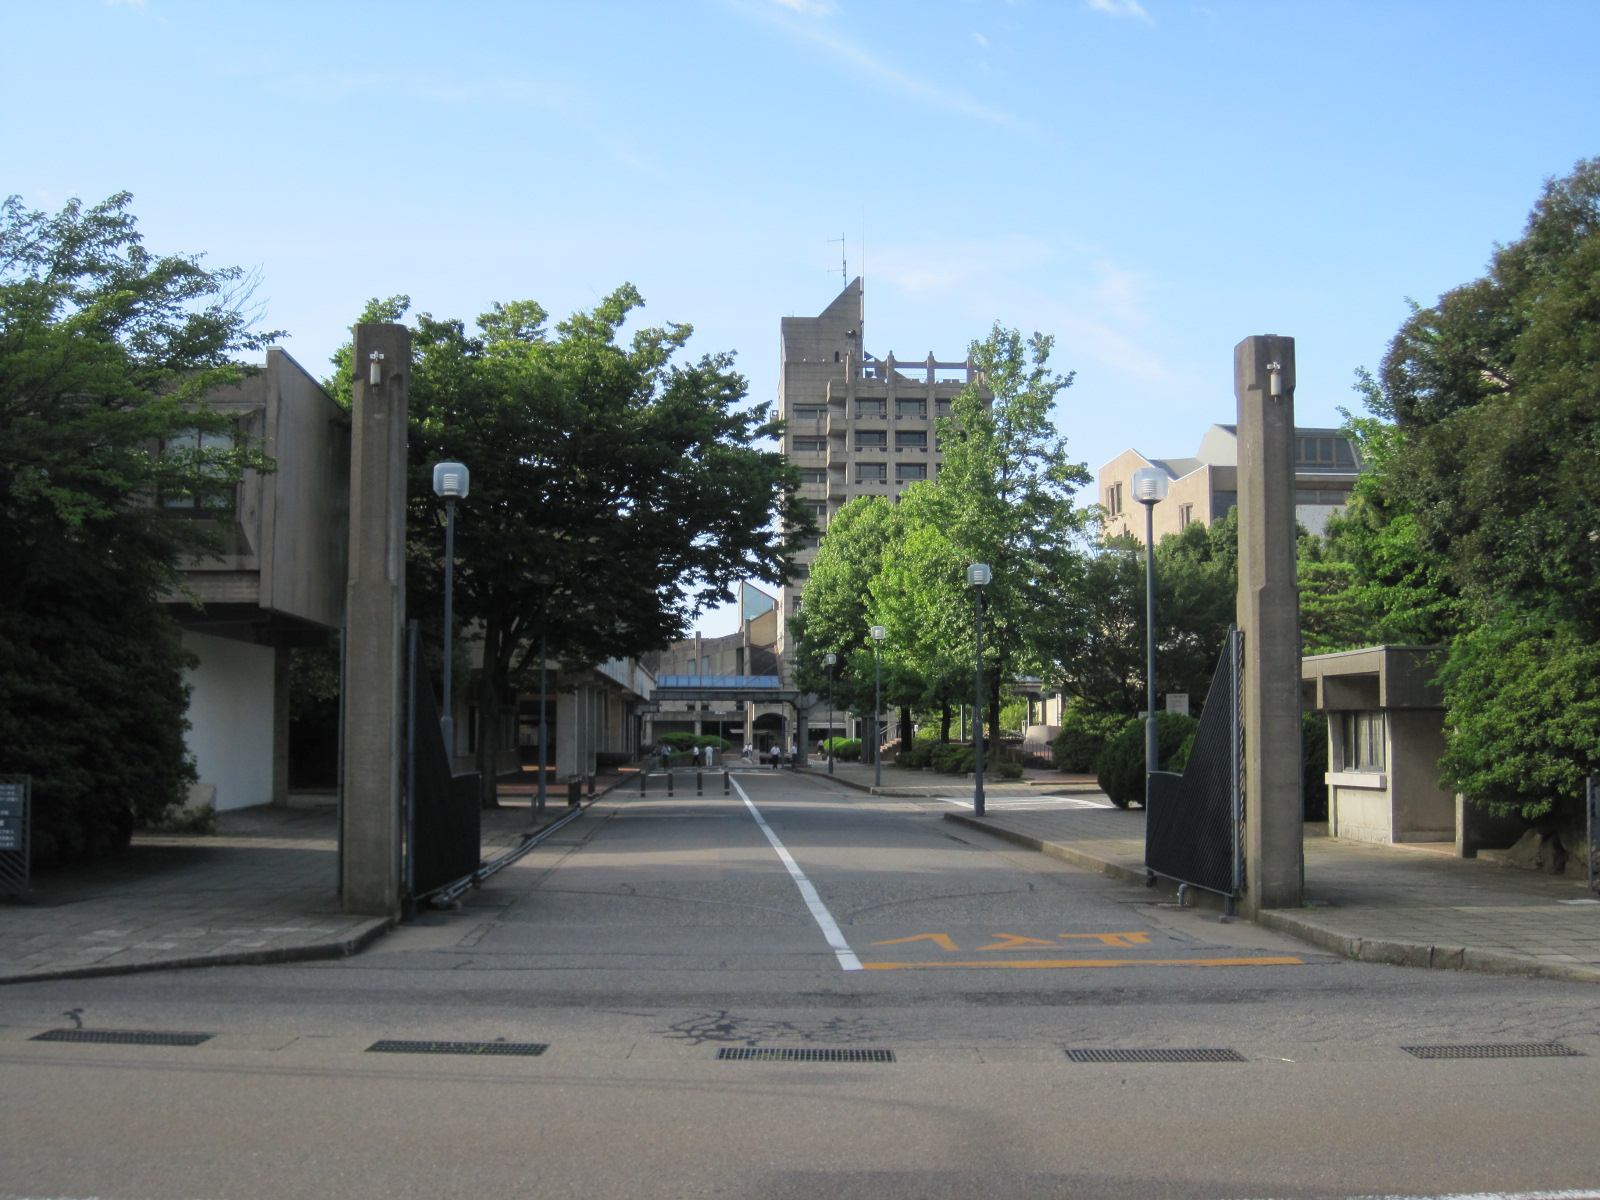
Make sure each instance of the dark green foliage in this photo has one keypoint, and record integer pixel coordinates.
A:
(1314, 765)
(1084, 733)
(1120, 767)
(105, 353)
(843, 749)
(688, 741)
(917, 757)
(1006, 770)
(953, 758)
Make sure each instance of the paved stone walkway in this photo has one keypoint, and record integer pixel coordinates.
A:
(262, 889)
(1394, 904)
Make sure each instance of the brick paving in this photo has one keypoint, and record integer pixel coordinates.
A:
(1396, 904)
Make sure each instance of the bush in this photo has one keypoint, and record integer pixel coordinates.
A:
(1083, 735)
(916, 757)
(843, 749)
(1314, 733)
(953, 758)
(688, 741)
(1120, 767)
(1009, 770)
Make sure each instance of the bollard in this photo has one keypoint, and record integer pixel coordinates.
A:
(699, 783)
(726, 789)
(669, 783)
(644, 781)
(592, 778)
(574, 792)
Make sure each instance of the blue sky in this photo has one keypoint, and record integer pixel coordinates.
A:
(1150, 181)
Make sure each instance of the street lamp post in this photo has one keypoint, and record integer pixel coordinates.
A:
(450, 483)
(878, 634)
(978, 575)
(831, 660)
(544, 609)
(1149, 489)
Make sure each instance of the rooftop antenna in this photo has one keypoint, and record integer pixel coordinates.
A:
(844, 272)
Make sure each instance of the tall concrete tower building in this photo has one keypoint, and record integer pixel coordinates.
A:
(858, 425)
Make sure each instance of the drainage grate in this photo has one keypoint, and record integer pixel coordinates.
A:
(1166, 1056)
(1502, 1050)
(118, 1037)
(775, 1054)
(391, 1046)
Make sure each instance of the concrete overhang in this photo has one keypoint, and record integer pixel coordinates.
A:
(1373, 677)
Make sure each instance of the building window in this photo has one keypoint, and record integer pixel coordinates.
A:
(810, 412)
(911, 409)
(911, 440)
(1114, 499)
(810, 445)
(872, 408)
(872, 439)
(1185, 515)
(872, 472)
(910, 472)
(813, 474)
(214, 502)
(819, 510)
(941, 407)
(1323, 452)
(1321, 496)
(1361, 737)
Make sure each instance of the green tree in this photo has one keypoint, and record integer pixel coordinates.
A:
(106, 353)
(616, 492)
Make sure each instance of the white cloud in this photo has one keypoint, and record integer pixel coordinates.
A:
(980, 39)
(126, 3)
(955, 266)
(887, 77)
(1121, 8)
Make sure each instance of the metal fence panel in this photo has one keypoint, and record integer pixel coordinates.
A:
(1192, 827)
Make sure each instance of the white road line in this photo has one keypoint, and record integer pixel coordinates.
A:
(1579, 1195)
(819, 911)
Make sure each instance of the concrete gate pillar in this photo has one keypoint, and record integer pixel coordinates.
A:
(1269, 616)
(375, 613)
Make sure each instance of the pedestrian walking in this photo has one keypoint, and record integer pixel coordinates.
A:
(794, 755)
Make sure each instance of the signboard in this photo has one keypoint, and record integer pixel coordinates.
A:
(1178, 702)
(15, 794)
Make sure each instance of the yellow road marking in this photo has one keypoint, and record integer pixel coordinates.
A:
(1112, 939)
(1017, 942)
(941, 939)
(1098, 962)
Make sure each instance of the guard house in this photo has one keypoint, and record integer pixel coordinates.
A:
(1385, 738)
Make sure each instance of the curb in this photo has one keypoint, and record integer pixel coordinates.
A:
(1392, 951)
(363, 936)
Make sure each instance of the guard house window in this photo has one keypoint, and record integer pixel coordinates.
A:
(1361, 741)
(813, 474)
(872, 472)
(872, 408)
(872, 439)
(910, 472)
(911, 440)
(911, 409)
(810, 445)
(214, 502)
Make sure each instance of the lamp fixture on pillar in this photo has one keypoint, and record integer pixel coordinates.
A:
(450, 483)
(1149, 489)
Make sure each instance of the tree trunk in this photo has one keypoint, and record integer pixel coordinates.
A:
(994, 709)
(491, 686)
(906, 731)
(944, 721)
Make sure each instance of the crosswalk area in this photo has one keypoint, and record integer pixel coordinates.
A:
(1023, 803)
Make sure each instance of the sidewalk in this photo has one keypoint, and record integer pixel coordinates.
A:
(1391, 904)
(260, 890)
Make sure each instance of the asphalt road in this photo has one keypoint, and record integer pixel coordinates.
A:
(655, 934)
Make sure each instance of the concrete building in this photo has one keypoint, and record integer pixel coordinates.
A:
(279, 583)
(1205, 486)
(858, 425)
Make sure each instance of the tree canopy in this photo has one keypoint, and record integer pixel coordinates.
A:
(105, 352)
(616, 491)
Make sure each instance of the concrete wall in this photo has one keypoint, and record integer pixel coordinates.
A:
(231, 714)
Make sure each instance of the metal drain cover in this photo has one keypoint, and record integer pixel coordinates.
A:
(803, 1054)
(1155, 1056)
(1501, 1050)
(122, 1037)
(393, 1046)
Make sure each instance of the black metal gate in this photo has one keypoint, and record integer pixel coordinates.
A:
(442, 831)
(1193, 827)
